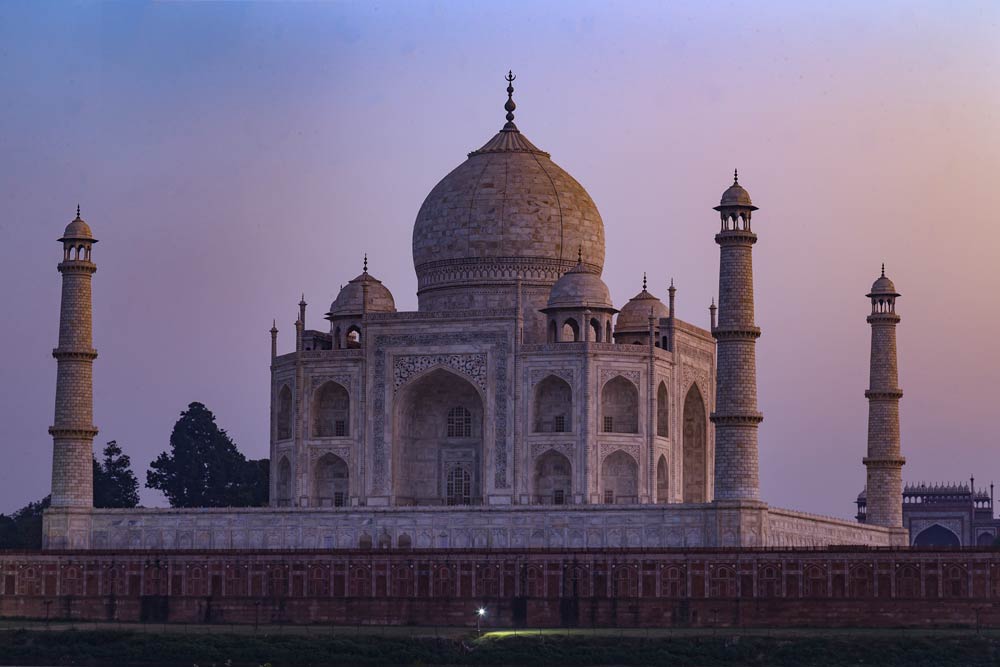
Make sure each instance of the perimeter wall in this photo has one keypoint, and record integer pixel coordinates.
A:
(850, 586)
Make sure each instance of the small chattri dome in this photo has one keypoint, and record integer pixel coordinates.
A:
(736, 195)
(883, 286)
(78, 230)
(580, 288)
(351, 301)
(634, 315)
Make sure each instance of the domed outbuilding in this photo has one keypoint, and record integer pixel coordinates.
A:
(632, 323)
(363, 295)
(579, 307)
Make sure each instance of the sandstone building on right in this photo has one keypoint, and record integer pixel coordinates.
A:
(945, 514)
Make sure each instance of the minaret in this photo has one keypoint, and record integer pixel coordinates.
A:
(884, 462)
(274, 340)
(672, 292)
(73, 431)
(736, 416)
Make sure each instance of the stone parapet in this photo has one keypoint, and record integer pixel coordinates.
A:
(720, 524)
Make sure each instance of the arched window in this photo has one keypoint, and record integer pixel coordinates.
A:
(723, 583)
(331, 481)
(353, 336)
(662, 412)
(284, 413)
(284, 485)
(662, 486)
(570, 331)
(331, 411)
(674, 583)
(620, 406)
(815, 583)
(595, 327)
(553, 406)
(553, 478)
(626, 582)
(620, 479)
(459, 486)
(459, 423)
(694, 447)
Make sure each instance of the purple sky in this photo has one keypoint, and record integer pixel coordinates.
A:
(231, 156)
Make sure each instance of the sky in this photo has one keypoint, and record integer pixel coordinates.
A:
(232, 156)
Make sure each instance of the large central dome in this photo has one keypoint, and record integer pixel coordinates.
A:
(507, 213)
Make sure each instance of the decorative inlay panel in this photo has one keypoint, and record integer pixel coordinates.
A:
(607, 449)
(315, 453)
(343, 380)
(691, 375)
(473, 366)
(539, 374)
(609, 373)
(567, 449)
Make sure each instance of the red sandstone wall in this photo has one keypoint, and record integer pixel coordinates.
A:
(631, 588)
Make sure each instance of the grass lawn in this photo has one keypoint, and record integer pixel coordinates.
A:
(204, 645)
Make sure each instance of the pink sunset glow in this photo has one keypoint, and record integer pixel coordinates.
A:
(230, 157)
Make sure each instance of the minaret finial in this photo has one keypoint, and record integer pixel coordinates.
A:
(736, 177)
(883, 269)
(579, 254)
(510, 106)
(77, 211)
(366, 264)
(643, 281)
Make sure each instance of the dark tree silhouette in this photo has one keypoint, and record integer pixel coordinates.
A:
(204, 468)
(23, 528)
(115, 484)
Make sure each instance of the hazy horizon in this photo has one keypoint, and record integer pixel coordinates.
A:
(232, 156)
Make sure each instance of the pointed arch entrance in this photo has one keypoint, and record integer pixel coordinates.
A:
(330, 481)
(619, 479)
(438, 441)
(553, 479)
(695, 443)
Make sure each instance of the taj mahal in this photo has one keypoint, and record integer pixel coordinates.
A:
(517, 407)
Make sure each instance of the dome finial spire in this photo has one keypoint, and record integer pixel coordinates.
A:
(510, 106)
(77, 211)
(365, 266)
(643, 281)
(736, 176)
(579, 254)
(883, 269)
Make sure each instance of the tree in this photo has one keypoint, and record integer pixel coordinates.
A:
(204, 468)
(115, 484)
(23, 529)
(255, 483)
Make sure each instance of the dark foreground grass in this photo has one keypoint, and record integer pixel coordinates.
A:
(128, 649)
